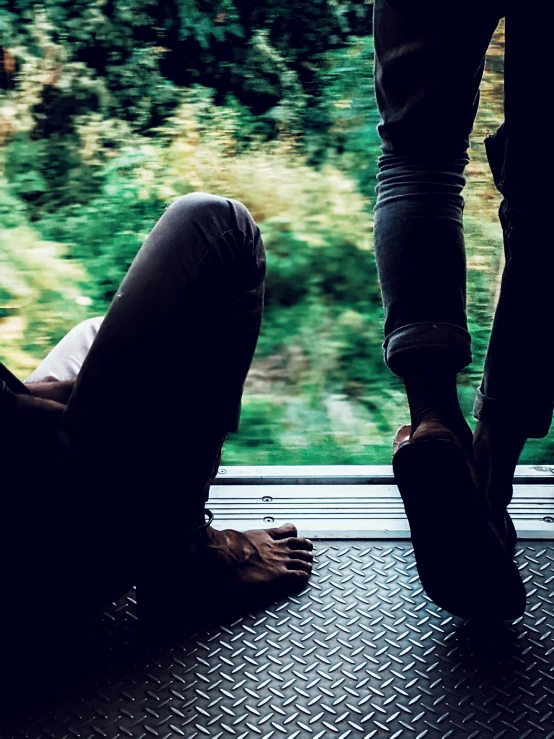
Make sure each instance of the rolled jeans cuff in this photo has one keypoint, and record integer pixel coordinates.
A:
(419, 346)
(532, 420)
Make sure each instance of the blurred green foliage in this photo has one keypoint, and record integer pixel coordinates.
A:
(111, 110)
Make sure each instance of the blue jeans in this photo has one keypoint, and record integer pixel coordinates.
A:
(429, 61)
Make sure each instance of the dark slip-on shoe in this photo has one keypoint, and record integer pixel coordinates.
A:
(463, 563)
(499, 514)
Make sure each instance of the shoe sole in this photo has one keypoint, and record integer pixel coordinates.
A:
(462, 563)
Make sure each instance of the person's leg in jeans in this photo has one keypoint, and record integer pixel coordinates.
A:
(156, 396)
(429, 60)
(516, 396)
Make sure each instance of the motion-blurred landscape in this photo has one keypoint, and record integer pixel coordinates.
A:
(109, 110)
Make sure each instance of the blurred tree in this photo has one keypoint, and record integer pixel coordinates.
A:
(261, 51)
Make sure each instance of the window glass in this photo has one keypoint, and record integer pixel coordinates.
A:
(109, 112)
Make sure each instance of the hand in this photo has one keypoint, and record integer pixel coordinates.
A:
(51, 389)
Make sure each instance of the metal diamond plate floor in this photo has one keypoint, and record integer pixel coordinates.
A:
(360, 653)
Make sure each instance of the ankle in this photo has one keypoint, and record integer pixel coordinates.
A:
(433, 395)
(452, 418)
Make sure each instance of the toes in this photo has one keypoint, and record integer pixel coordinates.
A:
(296, 581)
(295, 543)
(299, 565)
(302, 554)
(283, 532)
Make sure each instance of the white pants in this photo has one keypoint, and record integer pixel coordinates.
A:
(66, 358)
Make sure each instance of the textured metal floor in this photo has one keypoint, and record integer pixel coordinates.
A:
(360, 653)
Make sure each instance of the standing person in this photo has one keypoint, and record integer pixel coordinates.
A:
(429, 61)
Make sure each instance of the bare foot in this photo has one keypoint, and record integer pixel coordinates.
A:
(224, 574)
(253, 565)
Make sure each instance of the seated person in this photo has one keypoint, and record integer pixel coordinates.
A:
(109, 446)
